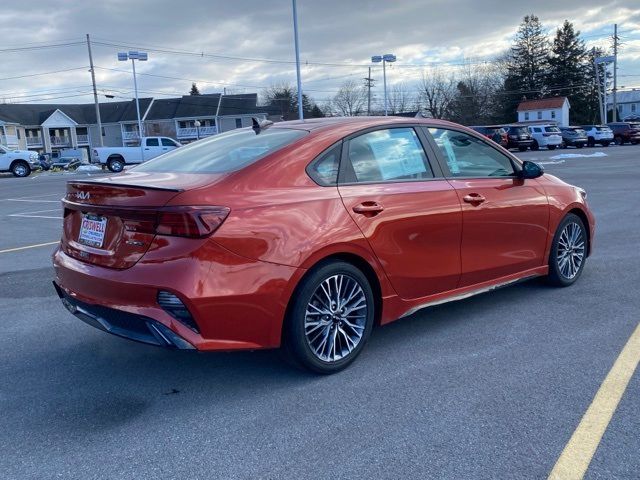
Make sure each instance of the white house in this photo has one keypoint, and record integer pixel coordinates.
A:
(628, 104)
(552, 110)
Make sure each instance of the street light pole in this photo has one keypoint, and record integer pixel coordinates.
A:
(143, 57)
(295, 34)
(388, 57)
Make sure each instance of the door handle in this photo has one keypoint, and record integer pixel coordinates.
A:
(474, 198)
(368, 208)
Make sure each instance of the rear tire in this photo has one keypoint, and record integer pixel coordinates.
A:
(523, 149)
(20, 168)
(618, 141)
(579, 145)
(591, 142)
(115, 164)
(551, 147)
(330, 318)
(606, 144)
(568, 252)
(535, 146)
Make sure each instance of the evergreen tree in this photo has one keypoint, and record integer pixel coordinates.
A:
(568, 73)
(194, 89)
(526, 66)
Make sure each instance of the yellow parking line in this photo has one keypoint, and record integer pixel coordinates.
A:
(577, 454)
(28, 246)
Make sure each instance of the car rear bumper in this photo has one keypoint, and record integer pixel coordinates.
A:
(235, 303)
(123, 324)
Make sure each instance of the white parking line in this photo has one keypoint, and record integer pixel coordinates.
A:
(31, 214)
(38, 196)
(30, 201)
(28, 246)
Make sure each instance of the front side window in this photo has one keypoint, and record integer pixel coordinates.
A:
(167, 142)
(468, 156)
(394, 154)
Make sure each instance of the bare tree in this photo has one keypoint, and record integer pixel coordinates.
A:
(399, 99)
(437, 92)
(475, 97)
(351, 99)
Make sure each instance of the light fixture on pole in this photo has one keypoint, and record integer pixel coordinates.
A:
(386, 58)
(142, 57)
(197, 125)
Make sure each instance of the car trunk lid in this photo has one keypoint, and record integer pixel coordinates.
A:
(111, 221)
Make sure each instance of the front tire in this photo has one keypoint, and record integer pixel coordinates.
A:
(20, 168)
(535, 146)
(568, 251)
(551, 147)
(523, 149)
(330, 319)
(618, 141)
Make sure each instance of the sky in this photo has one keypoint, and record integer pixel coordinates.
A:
(245, 46)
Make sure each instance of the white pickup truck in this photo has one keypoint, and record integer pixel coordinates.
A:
(115, 158)
(18, 162)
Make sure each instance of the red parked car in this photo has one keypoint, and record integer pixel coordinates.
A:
(306, 234)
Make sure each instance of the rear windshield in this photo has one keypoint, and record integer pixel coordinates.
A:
(518, 130)
(551, 129)
(224, 153)
(601, 129)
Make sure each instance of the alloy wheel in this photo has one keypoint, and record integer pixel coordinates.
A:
(20, 170)
(571, 250)
(335, 318)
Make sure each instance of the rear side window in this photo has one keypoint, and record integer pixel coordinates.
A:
(324, 169)
(393, 154)
(224, 153)
(152, 142)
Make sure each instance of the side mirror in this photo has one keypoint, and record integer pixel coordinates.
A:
(531, 170)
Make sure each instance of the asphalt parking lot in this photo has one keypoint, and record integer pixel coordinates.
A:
(489, 387)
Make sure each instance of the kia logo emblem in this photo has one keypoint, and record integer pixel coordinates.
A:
(83, 195)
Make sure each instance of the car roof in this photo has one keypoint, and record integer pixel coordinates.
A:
(357, 123)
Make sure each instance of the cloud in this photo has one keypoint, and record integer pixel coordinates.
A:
(337, 39)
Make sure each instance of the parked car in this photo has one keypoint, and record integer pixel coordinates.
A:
(18, 162)
(625, 132)
(497, 134)
(115, 158)
(573, 137)
(66, 163)
(598, 134)
(306, 234)
(518, 136)
(548, 136)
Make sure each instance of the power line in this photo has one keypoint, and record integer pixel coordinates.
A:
(40, 47)
(43, 73)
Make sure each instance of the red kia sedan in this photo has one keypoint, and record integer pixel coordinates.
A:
(306, 234)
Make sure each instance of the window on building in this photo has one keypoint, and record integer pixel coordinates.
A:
(553, 114)
(539, 115)
(633, 107)
(238, 123)
(526, 115)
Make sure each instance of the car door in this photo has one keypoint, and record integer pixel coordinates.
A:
(505, 218)
(4, 160)
(167, 144)
(152, 148)
(408, 212)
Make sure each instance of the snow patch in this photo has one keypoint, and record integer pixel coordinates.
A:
(89, 168)
(578, 155)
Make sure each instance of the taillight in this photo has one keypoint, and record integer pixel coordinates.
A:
(192, 222)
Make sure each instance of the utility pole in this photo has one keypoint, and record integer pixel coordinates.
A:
(597, 67)
(368, 84)
(95, 93)
(615, 72)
